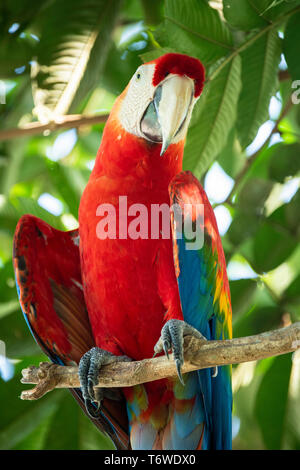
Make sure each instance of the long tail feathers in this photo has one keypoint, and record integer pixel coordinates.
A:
(178, 425)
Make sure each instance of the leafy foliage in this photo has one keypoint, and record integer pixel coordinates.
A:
(216, 111)
(75, 38)
(260, 65)
(196, 27)
(77, 56)
(292, 37)
(277, 377)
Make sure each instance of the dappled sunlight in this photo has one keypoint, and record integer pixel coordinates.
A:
(62, 146)
(242, 375)
(223, 219)
(217, 184)
(238, 268)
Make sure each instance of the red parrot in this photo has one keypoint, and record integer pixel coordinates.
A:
(131, 288)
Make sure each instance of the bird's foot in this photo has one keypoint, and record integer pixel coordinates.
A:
(89, 367)
(171, 337)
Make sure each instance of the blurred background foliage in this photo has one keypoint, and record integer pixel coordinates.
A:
(74, 57)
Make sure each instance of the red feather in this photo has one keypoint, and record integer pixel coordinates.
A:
(180, 64)
(48, 275)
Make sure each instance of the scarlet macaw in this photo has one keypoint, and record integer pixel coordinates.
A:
(94, 299)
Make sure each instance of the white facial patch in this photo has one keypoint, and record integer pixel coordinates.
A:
(139, 95)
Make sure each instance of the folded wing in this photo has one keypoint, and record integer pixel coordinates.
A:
(205, 297)
(47, 269)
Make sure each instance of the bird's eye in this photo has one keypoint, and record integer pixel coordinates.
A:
(138, 76)
(166, 74)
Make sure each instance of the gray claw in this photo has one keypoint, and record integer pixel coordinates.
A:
(178, 367)
(91, 389)
(172, 335)
(166, 348)
(92, 409)
(89, 367)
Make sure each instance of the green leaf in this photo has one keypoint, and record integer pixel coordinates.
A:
(14, 53)
(153, 11)
(21, 418)
(24, 205)
(69, 427)
(272, 401)
(285, 161)
(287, 216)
(16, 334)
(31, 168)
(69, 183)
(243, 14)
(254, 193)
(53, 422)
(276, 238)
(156, 53)
(231, 157)
(9, 307)
(19, 102)
(19, 11)
(244, 225)
(132, 10)
(290, 48)
(259, 77)
(35, 440)
(292, 293)
(6, 245)
(242, 292)
(253, 14)
(257, 320)
(12, 170)
(260, 166)
(90, 436)
(7, 282)
(193, 27)
(273, 244)
(213, 119)
(278, 8)
(11, 211)
(122, 62)
(25, 423)
(72, 51)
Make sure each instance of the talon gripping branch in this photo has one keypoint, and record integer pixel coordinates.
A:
(93, 299)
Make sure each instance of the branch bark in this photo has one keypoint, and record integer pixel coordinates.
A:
(198, 355)
(66, 122)
(73, 121)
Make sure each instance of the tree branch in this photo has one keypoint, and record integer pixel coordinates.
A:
(198, 355)
(250, 40)
(65, 122)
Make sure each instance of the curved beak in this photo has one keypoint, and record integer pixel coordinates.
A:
(172, 101)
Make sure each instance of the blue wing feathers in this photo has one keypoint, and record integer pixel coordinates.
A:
(197, 272)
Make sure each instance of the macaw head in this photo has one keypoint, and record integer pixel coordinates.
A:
(157, 104)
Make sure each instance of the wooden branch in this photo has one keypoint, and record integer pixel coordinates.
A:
(284, 75)
(71, 121)
(199, 354)
(66, 122)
